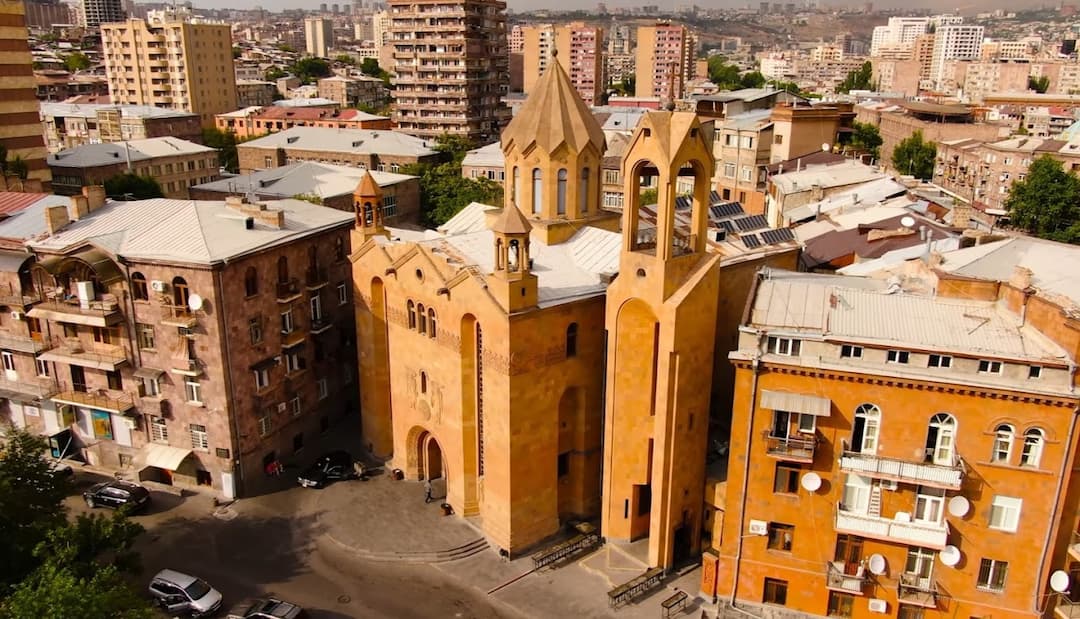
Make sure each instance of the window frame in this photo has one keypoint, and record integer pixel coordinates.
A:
(991, 367)
(200, 439)
(1006, 510)
(897, 357)
(781, 536)
(1031, 452)
(788, 473)
(783, 346)
(939, 361)
(1004, 437)
(992, 575)
(851, 351)
(774, 591)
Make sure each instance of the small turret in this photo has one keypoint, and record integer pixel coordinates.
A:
(367, 206)
(512, 281)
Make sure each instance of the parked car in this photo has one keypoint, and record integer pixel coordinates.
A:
(117, 493)
(328, 467)
(176, 592)
(269, 608)
(60, 468)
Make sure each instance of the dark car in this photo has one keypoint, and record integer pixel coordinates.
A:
(116, 494)
(327, 468)
(266, 609)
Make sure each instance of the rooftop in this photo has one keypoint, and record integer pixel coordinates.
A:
(353, 141)
(302, 178)
(92, 155)
(90, 110)
(489, 156)
(301, 113)
(305, 102)
(848, 172)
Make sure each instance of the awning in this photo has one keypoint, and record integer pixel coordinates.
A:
(103, 266)
(147, 373)
(796, 403)
(165, 456)
(12, 261)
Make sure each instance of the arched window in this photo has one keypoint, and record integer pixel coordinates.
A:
(864, 434)
(369, 214)
(499, 255)
(180, 292)
(941, 439)
(422, 317)
(412, 314)
(138, 287)
(339, 249)
(1033, 448)
(431, 321)
(312, 257)
(423, 382)
(512, 256)
(251, 282)
(1003, 441)
(537, 191)
(561, 193)
(516, 189)
(282, 270)
(571, 340)
(583, 190)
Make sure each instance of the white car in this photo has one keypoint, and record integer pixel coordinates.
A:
(176, 592)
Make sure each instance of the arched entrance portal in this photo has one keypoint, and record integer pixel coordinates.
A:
(430, 460)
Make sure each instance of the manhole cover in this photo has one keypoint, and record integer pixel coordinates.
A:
(225, 513)
(344, 599)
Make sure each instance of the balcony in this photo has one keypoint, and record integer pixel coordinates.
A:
(15, 300)
(1066, 608)
(293, 338)
(73, 351)
(186, 367)
(315, 278)
(1074, 546)
(103, 400)
(902, 531)
(798, 448)
(880, 467)
(91, 314)
(845, 577)
(22, 343)
(320, 324)
(917, 591)
(33, 387)
(178, 316)
(288, 291)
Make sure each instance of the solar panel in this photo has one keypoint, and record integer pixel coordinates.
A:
(778, 236)
(726, 209)
(714, 198)
(751, 240)
(726, 225)
(683, 202)
(753, 222)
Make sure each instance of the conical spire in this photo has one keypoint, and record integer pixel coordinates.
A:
(511, 221)
(553, 114)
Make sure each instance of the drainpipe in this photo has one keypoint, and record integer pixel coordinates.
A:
(238, 463)
(756, 365)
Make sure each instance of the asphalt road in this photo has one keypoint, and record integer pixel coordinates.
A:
(273, 546)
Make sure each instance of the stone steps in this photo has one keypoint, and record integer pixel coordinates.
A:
(423, 556)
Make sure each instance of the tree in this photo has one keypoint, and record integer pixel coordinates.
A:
(274, 73)
(17, 166)
(724, 75)
(225, 143)
(649, 196)
(914, 156)
(1039, 84)
(310, 69)
(752, 79)
(444, 191)
(370, 66)
(345, 59)
(77, 61)
(132, 186)
(866, 138)
(454, 146)
(1047, 202)
(859, 79)
(56, 593)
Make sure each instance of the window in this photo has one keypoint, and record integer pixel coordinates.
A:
(255, 330)
(193, 391)
(294, 406)
(283, 270)
(339, 249)
(747, 142)
(781, 536)
(929, 504)
(848, 351)
(138, 287)
(42, 368)
(920, 562)
(266, 424)
(1033, 447)
(1005, 513)
(144, 333)
(251, 282)
(939, 361)
(778, 139)
(432, 332)
(323, 387)
(159, 431)
(102, 335)
(745, 173)
(897, 356)
(515, 190)
(729, 170)
(560, 194)
(389, 209)
(421, 319)
(286, 322)
(940, 437)
(907, 611)
(294, 362)
(316, 307)
(151, 386)
(342, 294)
(116, 383)
(583, 191)
(989, 367)
(729, 139)
(1003, 440)
(784, 346)
(537, 191)
(198, 437)
(412, 314)
(786, 480)
(9, 360)
(992, 574)
(1034, 371)
(571, 340)
(865, 431)
(564, 464)
(775, 591)
(423, 382)
(262, 378)
(840, 604)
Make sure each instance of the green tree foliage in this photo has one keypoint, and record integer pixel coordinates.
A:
(649, 196)
(77, 61)
(132, 186)
(370, 66)
(859, 79)
(345, 59)
(237, 52)
(724, 75)
(752, 79)
(1039, 84)
(454, 147)
(274, 73)
(310, 69)
(443, 190)
(915, 156)
(17, 166)
(225, 143)
(1047, 202)
(58, 593)
(791, 87)
(866, 138)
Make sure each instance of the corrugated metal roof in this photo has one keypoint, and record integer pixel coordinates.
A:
(1054, 266)
(353, 141)
(302, 178)
(14, 201)
(469, 219)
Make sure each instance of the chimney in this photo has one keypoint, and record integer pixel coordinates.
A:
(1021, 278)
(236, 202)
(95, 196)
(33, 185)
(274, 219)
(80, 207)
(56, 217)
(961, 216)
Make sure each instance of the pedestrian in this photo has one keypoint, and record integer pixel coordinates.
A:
(358, 469)
(427, 490)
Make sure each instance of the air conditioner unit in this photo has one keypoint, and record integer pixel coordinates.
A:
(759, 527)
(877, 605)
(888, 484)
(281, 407)
(158, 286)
(16, 315)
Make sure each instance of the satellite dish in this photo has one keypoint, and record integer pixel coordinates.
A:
(826, 147)
(811, 482)
(195, 303)
(907, 221)
(1059, 581)
(877, 564)
(949, 555)
(959, 506)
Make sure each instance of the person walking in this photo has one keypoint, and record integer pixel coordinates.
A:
(427, 490)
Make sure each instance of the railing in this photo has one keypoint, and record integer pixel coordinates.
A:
(81, 351)
(113, 401)
(15, 299)
(838, 579)
(315, 277)
(73, 306)
(35, 386)
(914, 589)
(927, 534)
(320, 324)
(791, 448)
(938, 475)
(177, 315)
(565, 550)
(288, 290)
(1066, 608)
(22, 343)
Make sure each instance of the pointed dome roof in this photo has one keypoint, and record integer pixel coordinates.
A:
(367, 186)
(553, 114)
(511, 221)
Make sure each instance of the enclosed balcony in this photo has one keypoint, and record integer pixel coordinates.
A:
(845, 577)
(917, 591)
(1067, 608)
(23, 343)
(949, 477)
(32, 387)
(901, 529)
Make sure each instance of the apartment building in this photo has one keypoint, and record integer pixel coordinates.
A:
(253, 122)
(955, 42)
(93, 13)
(174, 163)
(18, 105)
(68, 125)
(451, 67)
(250, 93)
(318, 36)
(983, 78)
(899, 31)
(907, 452)
(665, 60)
(576, 46)
(168, 62)
(362, 90)
(386, 151)
(54, 85)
